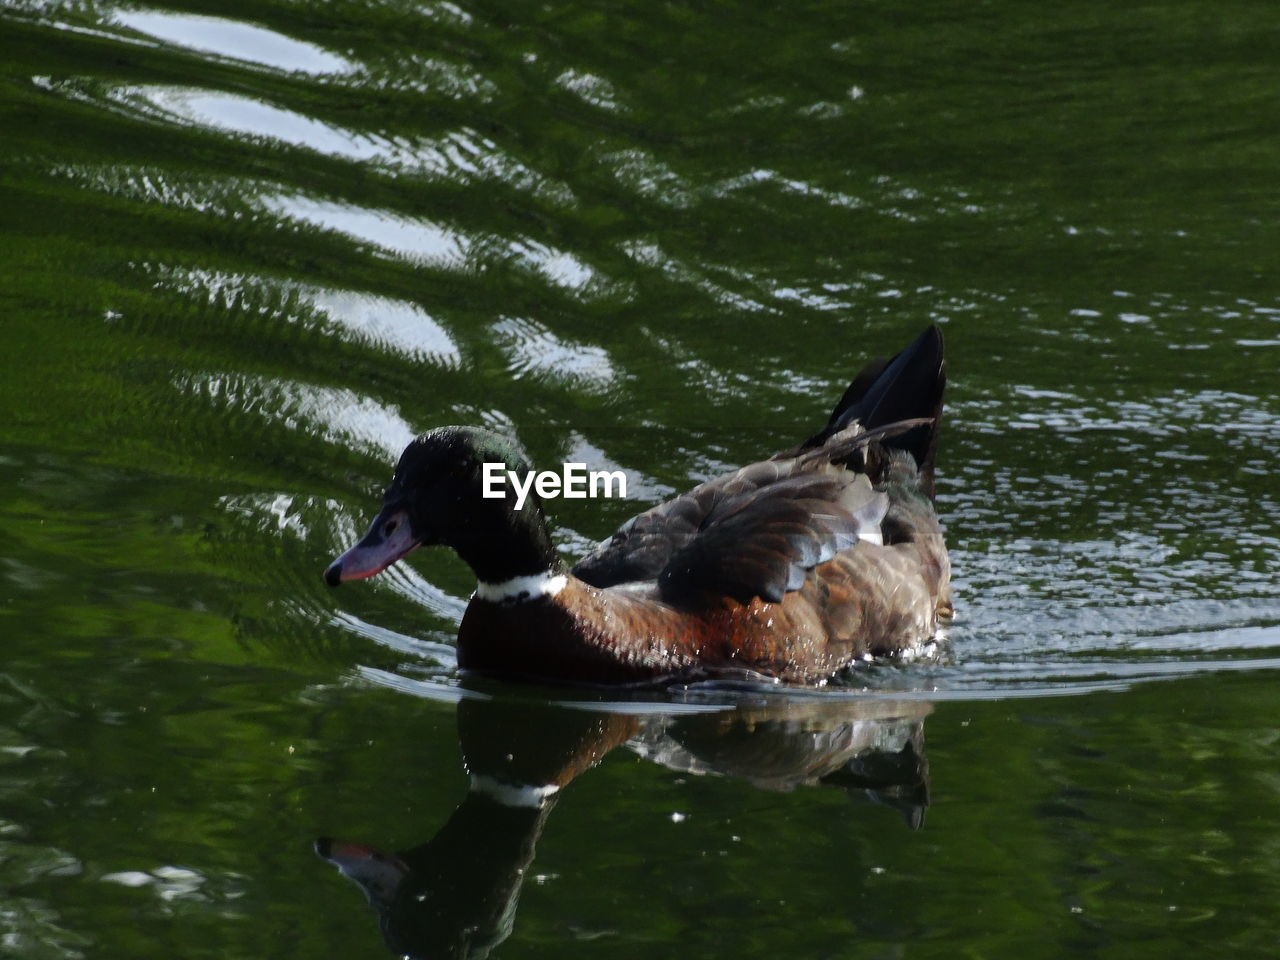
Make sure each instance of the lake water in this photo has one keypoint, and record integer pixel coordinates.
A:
(250, 249)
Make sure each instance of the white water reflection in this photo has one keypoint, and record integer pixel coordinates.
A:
(443, 653)
(340, 416)
(640, 172)
(466, 156)
(563, 269)
(460, 156)
(257, 118)
(590, 88)
(383, 322)
(535, 351)
(416, 239)
(233, 39)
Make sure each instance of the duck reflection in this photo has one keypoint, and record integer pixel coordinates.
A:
(455, 895)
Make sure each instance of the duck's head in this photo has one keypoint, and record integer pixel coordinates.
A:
(436, 496)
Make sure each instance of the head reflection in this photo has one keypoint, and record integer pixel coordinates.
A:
(455, 895)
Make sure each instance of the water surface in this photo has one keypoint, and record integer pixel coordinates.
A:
(250, 250)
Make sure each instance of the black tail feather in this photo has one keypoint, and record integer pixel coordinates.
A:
(907, 387)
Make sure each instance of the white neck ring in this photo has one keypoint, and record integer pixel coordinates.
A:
(521, 589)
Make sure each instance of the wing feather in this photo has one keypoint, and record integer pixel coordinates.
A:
(753, 532)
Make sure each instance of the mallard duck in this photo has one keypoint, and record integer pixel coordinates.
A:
(790, 569)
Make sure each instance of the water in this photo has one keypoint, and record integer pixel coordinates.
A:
(249, 250)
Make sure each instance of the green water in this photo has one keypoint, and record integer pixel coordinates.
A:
(247, 250)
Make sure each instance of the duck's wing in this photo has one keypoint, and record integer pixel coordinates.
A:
(763, 543)
(644, 545)
(753, 532)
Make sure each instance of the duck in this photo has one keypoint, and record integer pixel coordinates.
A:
(790, 570)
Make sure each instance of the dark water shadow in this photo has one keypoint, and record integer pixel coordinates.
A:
(455, 894)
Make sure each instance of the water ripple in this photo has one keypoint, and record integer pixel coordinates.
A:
(340, 416)
(535, 351)
(384, 323)
(232, 40)
(256, 117)
(413, 238)
(391, 325)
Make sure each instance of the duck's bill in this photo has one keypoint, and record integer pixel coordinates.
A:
(389, 538)
(377, 873)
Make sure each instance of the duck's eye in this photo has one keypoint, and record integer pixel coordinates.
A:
(390, 528)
